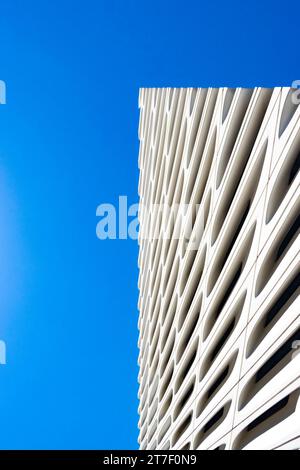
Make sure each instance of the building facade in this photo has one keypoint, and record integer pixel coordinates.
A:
(219, 268)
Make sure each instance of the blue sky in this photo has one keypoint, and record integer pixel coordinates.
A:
(68, 142)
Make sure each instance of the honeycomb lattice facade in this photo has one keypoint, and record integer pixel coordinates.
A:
(219, 325)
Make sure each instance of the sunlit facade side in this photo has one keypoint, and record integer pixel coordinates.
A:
(219, 325)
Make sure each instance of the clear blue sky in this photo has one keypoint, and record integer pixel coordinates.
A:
(68, 142)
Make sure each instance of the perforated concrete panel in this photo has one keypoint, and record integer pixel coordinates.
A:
(220, 322)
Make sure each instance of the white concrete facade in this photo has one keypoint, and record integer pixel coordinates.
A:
(220, 325)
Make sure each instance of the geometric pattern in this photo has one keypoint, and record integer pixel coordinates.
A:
(219, 325)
